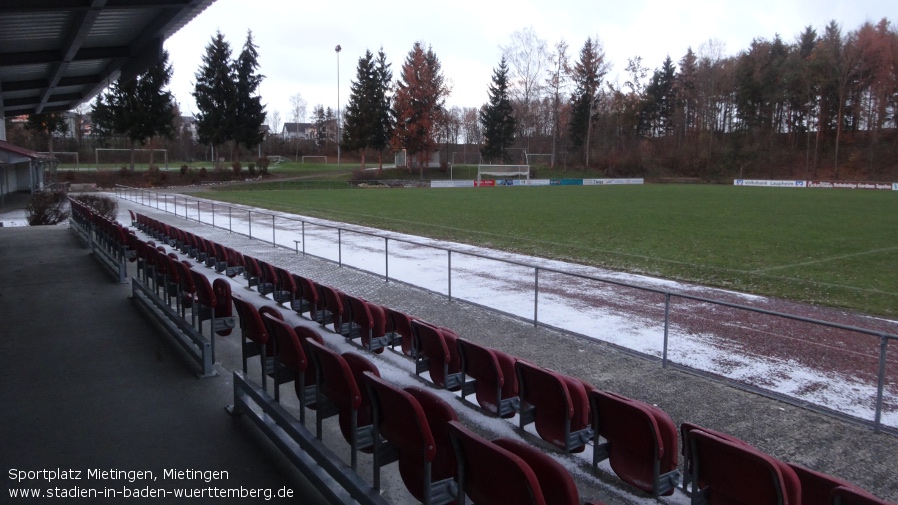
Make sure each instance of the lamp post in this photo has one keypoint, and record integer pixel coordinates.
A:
(338, 49)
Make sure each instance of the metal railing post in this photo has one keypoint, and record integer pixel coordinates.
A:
(883, 345)
(666, 328)
(535, 297)
(213, 214)
(230, 230)
(249, 217)
(303, 238)
(340, 247)
(199, 219)
(386, 259)
(449, 274)
(273, 237)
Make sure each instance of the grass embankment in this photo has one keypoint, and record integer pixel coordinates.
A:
(832, 247)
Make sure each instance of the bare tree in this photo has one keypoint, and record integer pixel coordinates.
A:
(528, 60)
(298, 113)
(557, 84)
(274, 122)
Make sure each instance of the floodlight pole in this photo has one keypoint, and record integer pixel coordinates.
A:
(338, 49)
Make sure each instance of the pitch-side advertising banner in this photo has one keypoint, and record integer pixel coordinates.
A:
(770, 184)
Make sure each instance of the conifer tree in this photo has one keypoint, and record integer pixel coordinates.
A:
(215, 94)
(250, 112)
(496, 117)
(587, 77)
(139, 109)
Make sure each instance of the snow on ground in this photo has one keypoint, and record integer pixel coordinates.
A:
(825, 366)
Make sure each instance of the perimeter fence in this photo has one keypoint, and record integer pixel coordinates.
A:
(838, 368)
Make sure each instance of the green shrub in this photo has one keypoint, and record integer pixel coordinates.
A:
(237, 168)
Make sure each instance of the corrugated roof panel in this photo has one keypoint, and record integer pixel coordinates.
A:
(119, 27)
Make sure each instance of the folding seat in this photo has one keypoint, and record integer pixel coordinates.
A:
(285, 289)
(133, 217)
(267, 278)
(331, 307)
(493, 378)
(290, 361)
(256, 341)
(186, 289)
(367, 322)
(210, 259)
(727, 472)
(640, 442)
(436, 350)
(817, 487)
(556, 403)
(212, 303)
(378, 338)
(507, 471)
(399, 329)
(852, 495)
(235, 262)
(340, 392)
(685, 429)
(414, 424)
(252, 273)
(221, 257)
(307, 299)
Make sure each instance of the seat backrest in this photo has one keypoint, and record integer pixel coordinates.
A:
(735, 473)
(285, 280)
(205, 295)
(639, 437)
(490, 474)
(251, 322)
(223, 302)
(361, 315)
(555, 481)
(186, 277)
(401, 323)
(401, 420)
(480, 363)
(431, 346)
(547, 392)
(816, 487)
(289, 349)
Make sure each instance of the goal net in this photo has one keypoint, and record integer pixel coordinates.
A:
(314, 159)
(68, 160)
(504, 171)
(107, 158)
(540, 160)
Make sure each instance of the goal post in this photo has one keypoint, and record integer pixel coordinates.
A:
(314, 159)
(67, 159)
(541, 160)
(123, 155)
(504, 171)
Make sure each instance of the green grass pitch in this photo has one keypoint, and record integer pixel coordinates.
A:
(832, 247)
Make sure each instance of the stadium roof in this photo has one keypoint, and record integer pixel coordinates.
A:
(56, 54)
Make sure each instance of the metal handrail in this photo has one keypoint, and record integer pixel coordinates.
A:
(884, 337)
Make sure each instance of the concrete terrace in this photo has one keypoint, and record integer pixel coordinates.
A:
(90, 382)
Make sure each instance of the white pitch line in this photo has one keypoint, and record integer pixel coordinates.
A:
(825, 260)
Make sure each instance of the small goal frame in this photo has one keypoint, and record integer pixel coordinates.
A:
(503, 171)
(304, 158)
(127, 150)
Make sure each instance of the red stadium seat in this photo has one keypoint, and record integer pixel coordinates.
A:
(436, 351)
(494, 383)
(413, 423)
(556, 404)
(339, 379)
(640, 442)
(726, 472)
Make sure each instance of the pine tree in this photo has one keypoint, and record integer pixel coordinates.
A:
(361, 109)
(250, 112)
(587, 76)
(215, 94)
(496, 117)
(383, 115)
(139, 109)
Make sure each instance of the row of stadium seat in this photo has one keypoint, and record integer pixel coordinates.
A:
(408, 426)
(639, 440)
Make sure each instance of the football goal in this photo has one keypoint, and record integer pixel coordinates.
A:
(68, 160)
(504, 171)
(401, 159)
(107, 157)
(540, 160)
(314, 159)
